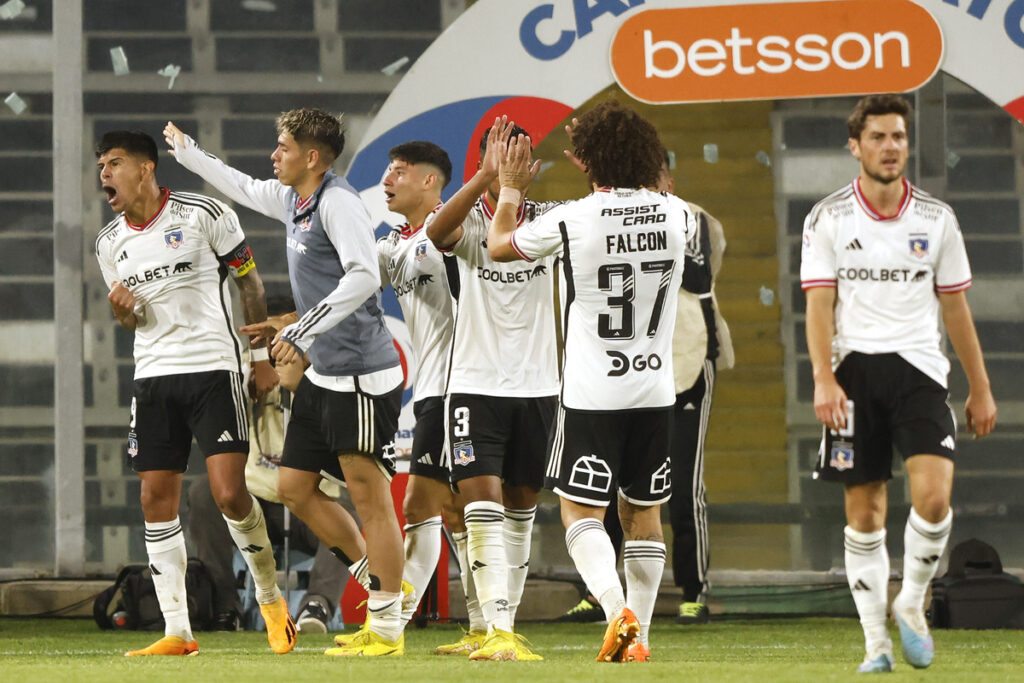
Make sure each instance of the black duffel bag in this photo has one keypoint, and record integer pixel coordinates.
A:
(976, 592)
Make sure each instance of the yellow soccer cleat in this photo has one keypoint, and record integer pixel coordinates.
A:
(366, 643)
(281, 633)
(467, 645)
(638, 652)
(343, 639)
(619, 635)
(504, 646)
(168, 645)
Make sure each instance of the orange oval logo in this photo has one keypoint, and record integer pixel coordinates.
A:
(776, 50)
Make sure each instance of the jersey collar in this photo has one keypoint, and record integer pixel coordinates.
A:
(489, 213)
(408, 231)
(304, 207)
(872, 211)
(163, 203)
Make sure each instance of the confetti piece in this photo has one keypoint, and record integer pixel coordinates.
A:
(119, 60)
(319, 78)
(952, 159)
(543, 167)
(15, 102)
(392, 68)
(711, 153)
(763, 158)
(10, 9)
(767, 296)
(170, 71)
(671, 159)
(259, 5)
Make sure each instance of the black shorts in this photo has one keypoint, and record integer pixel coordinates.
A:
(499, 436)
(325, 424)
(894, 404)
(591, 451)
(167, 411)
(428, 440)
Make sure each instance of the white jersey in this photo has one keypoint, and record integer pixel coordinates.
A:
(413, 266)
(623, 264)
(888, 272)
(504, 343)
(171, 265)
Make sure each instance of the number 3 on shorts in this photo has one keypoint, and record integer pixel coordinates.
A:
(461, 415)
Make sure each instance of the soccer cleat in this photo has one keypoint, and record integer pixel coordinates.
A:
(280, 627)
(227, 621)
(582, 612)
(693, 613)
(168, 645)
(366, 643)
(504, 646)
(881, 664)
(915, 640)
(343, 639)
(638, 652)
(619, 635)
(313, 618)
(469, 643)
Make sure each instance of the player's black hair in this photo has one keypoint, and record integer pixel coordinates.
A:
(423, 152)
(314, 127)
(134, 142)
(516, 130)
(877, 105)
(618, 147)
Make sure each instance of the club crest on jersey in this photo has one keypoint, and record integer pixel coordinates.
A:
(305, 225)
(918, 246)
(174, 238)
(421, 251)
(462, 453)
(133, 447)
(841, 457)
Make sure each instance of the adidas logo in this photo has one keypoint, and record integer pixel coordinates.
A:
(154, 570)
(854, 245)
(425, 459)
(123, 256)
(251, 548)
(225, 436)
(928, 560)
(949, 443)
(689, 406)
(477, 564)
(861, 586)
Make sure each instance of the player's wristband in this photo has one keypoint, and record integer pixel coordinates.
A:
(510, 195)
(259, 354)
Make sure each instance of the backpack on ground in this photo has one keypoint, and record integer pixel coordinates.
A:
(976, 592)
(131, 603)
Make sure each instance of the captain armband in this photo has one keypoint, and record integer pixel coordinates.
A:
(239, 261)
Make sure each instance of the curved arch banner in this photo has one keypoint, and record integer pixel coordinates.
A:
(539, 60)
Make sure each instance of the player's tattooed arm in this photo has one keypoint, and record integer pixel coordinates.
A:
(253, 301)
(445, 230)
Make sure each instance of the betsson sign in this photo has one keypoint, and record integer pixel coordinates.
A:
(778, 50)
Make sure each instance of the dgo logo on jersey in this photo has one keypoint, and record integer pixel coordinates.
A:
(776, 50)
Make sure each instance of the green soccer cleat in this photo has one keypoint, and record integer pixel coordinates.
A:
(693, 613)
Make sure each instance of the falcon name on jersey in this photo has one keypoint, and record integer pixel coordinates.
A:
(173, 266)
(623, 259)
(888, 272)
(504, 342)
(417, 272)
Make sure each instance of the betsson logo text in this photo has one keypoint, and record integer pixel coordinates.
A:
(776, 50)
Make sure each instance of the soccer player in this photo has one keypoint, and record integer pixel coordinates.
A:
(500, 405)
(345, 411)
(622, 248)
(410, 263)
(166, 258)
(881, 260)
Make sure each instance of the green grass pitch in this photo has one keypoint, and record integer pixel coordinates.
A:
(784, 649)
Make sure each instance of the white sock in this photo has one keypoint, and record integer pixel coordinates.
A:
(867, 572)
(923, 545)
(485, 523)
(592, 552)
(250, 535)
(360, 569)
(422, 551)
(165, 545)
(518, 534)
(386, 610)
(473, 611)
(644, 562)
